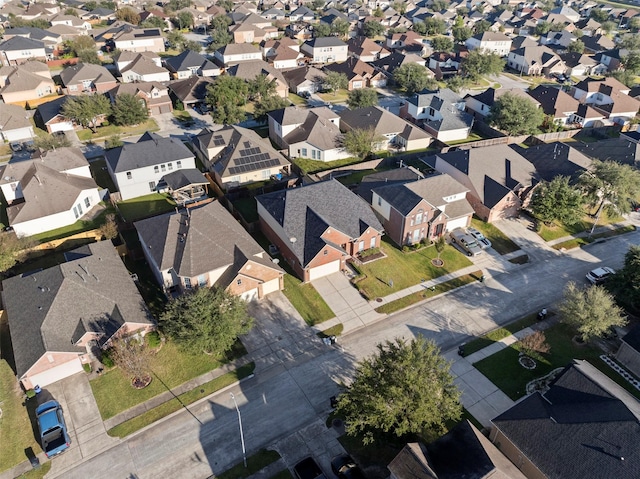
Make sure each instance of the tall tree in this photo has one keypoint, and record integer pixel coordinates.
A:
(406, 387)
(129, 15)
(261, 87)
(362, 97)
(206, 320)
(372, 29)
(183, 19)
(86, 110)
(128, 110)
(631, 62)
(625, 284)
(192, 45)
(51, 142)
(576, 46)
(268, 103)
(481, 27)
(414, 78)
(226, 96)
(599, 15)
(336, 81)
(442, 44)
(321, 30)
(610, 186)
(175, 39)
(478, 63)
(461, 34)
(515, 115)
(133, 358)
(557, 201)
(360, 142)
(591, 311)
(340, 27)
(439, 5)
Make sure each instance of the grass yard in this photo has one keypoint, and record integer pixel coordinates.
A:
(255, 463)
(37, 473)
(297, 100)
(183, 116)
(247, 208)
(171, 367)
(500, 333)
(375, 456)
(169, 407)
(145, 206)
(101, 175)
(555, 231)
(499, 241)
(473, 136)
(406, 269)
(306, 300)
(414, 298)
(355, 178)
(314, 166)
(505, 372)
(339, 96)
(576, 242)
(16, 428)
(110, 130)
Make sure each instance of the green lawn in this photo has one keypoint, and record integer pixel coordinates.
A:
(37, 473)
(171, 367)
(556, 230)
(306, 300)
(499, 333)
(505, 372)
(247, 208)
(575, 242)
(255, 463)
(414, 298)
(314, 166)
(101, 175)
(146, 206)
(499, 241)
(182, 115)
(173, 405)
(77, 227)
(406, 269)
(356, 177)
(110, 130)
(338, 96)
(297, 100)
(473, 136)
(16, 428)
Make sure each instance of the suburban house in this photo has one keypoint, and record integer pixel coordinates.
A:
(49, 117)
(190, 90)
(236, 53)
(608, 96)
(141, 67)
(238, 156)
(390, 63)
(249, 70)
(555, 103)
(304, 79)
(440, 112)
(18, 50)
(188, 64)
(445, 65)
(301, 13)
(399, 133)
(579, 64)
(497, 177)
(629, 352)
(555, 159)
(138, 40)
(479, 105)
(538, 60)
(173, 245)
(282, 53)
(49, 191)
(584, 424)
(86, 78)
(408, 41)
(318, 227)
(14, 124)
(449, 457)
(359, 74)
(419, 210)
(493, 42)
(366, 50)
(155, 95)
(70, 21)
(307, 133)
(137, 168)
(60, 317)
(29, 81)
(325, 50)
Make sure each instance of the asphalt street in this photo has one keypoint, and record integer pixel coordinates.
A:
(282, 398)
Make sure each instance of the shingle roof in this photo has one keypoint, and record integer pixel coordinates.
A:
(191, 89)
(317, 131)
(584, 425)
(86, 71)
(249, 70)
(184, 177)
(322, 42)
(298, 75)
(306, 212)
(555, 159)
(445, 101)
(388, 177)
(238, 48)
(49, 110)
(384, 122)
(632, 338)
(412, 463)
(46, 308)
(149, 150)
(20, 43)
(178, 240)
(13, 117)
(188, 59)
(554, 101)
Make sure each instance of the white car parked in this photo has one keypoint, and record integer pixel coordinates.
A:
(480, 238)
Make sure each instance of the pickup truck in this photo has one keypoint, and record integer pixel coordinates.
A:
(53, 430)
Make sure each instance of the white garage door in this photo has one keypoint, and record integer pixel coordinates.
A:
(56, 374)
(457, 223)
(250, 295)
(271, 286)
(62, 126)
(324, 270)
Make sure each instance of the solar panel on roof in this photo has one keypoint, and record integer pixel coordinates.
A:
(247, 144)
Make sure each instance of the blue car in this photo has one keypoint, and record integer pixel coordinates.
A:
(53, 430)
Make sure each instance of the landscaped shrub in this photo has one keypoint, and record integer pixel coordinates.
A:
(369, 252)
(153, 339)
(86, 367)
(106, 359)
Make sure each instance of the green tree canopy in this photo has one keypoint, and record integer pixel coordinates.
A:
(206, 320)
(439, 5)
(128, 110)
(183, 19)
(340, 27)
(336, 81)
(261, 87)
(372, 29)
(192, 45)
(591, 311)
(414, 78)
(129, 15)
(478, 64)
(406, 387)
(321, 30)
(51, 142)
(634, 24)
(625, 284)
(576, 46)
(153, 22)
(226, 96)
(515, 115)
(442, 44)
(85, 110)
(631, 62)
(599, 15)
(268, 103)
(481, 27)
(461, 34)
(557, 201)
(360, 142)
(362, 97)
(175, 39)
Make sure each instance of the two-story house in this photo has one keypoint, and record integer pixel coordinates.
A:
(139, 40)
(18, 50)
(28, 81)
(325, 50)
(236, 53)
(140, 67)
(608, 96)
(188, 64)
(154, 95)
(494, 42)
(137, 168)
(86, 78)
(537, 60)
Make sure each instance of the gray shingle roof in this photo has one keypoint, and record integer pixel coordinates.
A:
(384, 122)
(85, 71)
(211, 238)
(389, 177)
(555, 159)
(305, 214)
(184, 177)
(444, 101)
(13, 117)
(322, 42)
(151, 149)
(318, 131)
(46, 308)
(188, 59)
(20, 43)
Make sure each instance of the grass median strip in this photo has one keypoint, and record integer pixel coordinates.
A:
(306, 300)
(255, 463)
(498, 334)
(576, 242)
(413, 298)
(152, 415)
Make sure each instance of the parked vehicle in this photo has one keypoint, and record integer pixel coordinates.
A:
(465, 241)
(53, 430)
(308, 469)
(15, 147)
(304, 94)
(483, 242)
(600, 275)
(345, 467)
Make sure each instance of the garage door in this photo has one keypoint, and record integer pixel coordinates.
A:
(324, 270)
(250, 295)
(165, 109)
(62, 126)
(457, 223)
(56, 374)
(271, 286)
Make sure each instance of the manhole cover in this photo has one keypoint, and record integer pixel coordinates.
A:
(379, 300)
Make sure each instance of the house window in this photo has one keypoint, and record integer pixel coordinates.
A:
(432, 112)
(419, 217)
(14, 186)
(325, 252)
(361, 246)
(313, 154)
(170, 166)
(187, 283)
(152, 186)
(202, 280)
(75, 212)
(372, 242)
(128, 175)
(163, 168)
(304, 152)
(87, 202)
(80, 209)
(379, 201)
(156, 169)
(266, 174)
(178, 164)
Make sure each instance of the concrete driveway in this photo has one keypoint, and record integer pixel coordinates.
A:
(351, 309)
